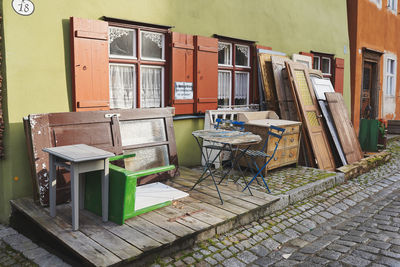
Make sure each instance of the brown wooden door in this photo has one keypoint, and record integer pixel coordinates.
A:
(347, 135)
(311, 115)
(366, 91)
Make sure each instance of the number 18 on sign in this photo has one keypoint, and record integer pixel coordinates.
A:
(23, 7)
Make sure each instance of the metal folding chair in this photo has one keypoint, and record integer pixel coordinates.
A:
(275, 133)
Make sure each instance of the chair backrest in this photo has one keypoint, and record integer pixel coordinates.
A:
(229, 124)
(273, 132)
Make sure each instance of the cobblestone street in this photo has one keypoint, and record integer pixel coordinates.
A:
(356, 223)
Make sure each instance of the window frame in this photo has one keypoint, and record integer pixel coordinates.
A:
(139, 61)
(162, 95)
(378, 3)
(331, 58)
(386, 58)
(237, 68)
(120, 56)
(162, 59)
(393, 8)
(135, 93)
(230, 55)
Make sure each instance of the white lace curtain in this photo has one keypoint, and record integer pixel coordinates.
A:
(150, 93)
(224, 84)
(241, 85)
(122, 86)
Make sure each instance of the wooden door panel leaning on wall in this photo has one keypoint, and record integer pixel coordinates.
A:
(347, 135)
(148, 133)
(310, 114)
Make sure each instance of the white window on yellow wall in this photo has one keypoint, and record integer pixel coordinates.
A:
(390, 75)
(392, 5)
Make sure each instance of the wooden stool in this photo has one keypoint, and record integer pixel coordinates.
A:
(81, 158)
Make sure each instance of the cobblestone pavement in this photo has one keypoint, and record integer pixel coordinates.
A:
(17, 250)
(355, 223)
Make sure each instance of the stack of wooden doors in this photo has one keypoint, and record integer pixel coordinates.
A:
(299, 93)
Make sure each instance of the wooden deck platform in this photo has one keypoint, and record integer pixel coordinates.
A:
(157, 233)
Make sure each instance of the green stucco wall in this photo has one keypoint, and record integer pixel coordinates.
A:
(38, 78)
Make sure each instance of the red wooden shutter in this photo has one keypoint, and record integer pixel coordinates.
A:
(182, 71)
(206, 73)
(339, 75)
(89, 61)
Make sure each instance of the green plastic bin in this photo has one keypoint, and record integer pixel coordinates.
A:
(368, 135)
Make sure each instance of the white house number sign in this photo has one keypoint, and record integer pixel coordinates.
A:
(23, 7)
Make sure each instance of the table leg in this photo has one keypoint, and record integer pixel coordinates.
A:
(52, 185)
(81, 191)
(75, 195)
(104, 190)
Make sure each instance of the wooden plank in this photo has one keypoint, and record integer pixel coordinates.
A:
(151, 230)
(199, 213)
(193, 175)
(210, 209)
(288, 106)
(79, 244)
(162, 221)
(347, 134)
(311, 115)
(179, 216)
(92, 226)
(211, 200)
(320, 87)
(268, 81)
(284, 94)
(244, 205)
(231, 189)
(136, 238)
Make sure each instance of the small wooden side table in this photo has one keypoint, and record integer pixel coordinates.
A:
(82, 158)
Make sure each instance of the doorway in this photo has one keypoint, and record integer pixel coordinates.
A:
(369, 101)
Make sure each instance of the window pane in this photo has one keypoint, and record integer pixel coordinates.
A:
(224, 54)
(152, 130)
(152, 45)
(224, 87)
(122, 42)
(122, 86)
(151, 86)
(241, 88)
(326, 65)
(146, 158)
(316, 63)
(242, 55)
(392, 66)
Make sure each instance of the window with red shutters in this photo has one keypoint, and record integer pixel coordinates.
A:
(234, 72)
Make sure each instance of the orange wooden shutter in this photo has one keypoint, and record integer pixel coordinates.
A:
(182, 71)
(339, 75)
(89, 61)
(206, 73)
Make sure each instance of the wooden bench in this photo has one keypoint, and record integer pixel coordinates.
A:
(126, 198)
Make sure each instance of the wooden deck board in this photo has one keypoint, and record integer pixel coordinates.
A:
(151, 230)
(146, 235)
(84, 247)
